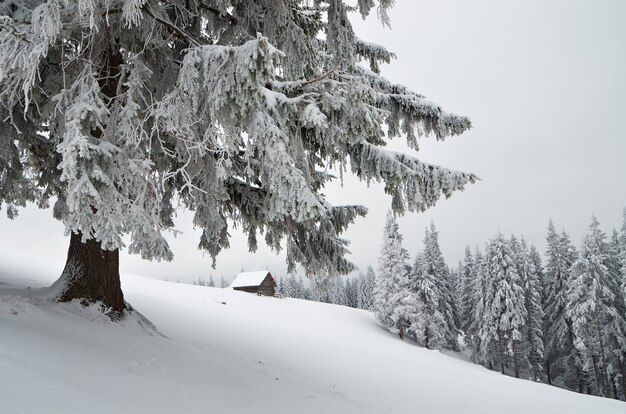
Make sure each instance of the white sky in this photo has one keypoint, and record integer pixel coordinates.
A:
(542, 81)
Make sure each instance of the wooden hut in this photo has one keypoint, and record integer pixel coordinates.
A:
(260, 282)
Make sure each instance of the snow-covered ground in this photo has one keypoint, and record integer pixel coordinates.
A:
(222, 351)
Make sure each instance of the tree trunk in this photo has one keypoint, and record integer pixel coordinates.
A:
(92, 273)
(548, 375)
(622, 369)
(515, 362)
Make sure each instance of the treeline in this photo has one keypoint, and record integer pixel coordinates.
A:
(559, 319)
(356, 292)
(562, 322)
(210, 283)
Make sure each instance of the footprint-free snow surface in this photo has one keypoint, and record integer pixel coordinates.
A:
(222, 351)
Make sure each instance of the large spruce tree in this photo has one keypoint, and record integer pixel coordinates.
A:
(531, 283)
(436, 324)
(563, 364)
(504, 315)
(122, 110)
(595, 305)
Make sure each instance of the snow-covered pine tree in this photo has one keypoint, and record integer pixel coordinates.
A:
(454, 284)
(303, 291)
(359, 283)
(436, 324)
(504, 315)
(223, 283)
(599, 328)
(481, 290)
(351, 292)
(531, 282)
(563, 365)
(337, 291)
(292, 289)
(280, 289)
(211, 282)
(521, 360)
(448, 301)
(622, 253)
(535, 257)
(467, 297)
(429, 325)
(394, 303)
(617, 364)
(365, 293)
(122, 109)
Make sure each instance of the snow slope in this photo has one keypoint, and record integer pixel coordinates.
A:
(223, 351)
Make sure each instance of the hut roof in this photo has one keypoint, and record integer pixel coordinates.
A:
(249, 278)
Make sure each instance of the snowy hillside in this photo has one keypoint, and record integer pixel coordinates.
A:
(224, 351)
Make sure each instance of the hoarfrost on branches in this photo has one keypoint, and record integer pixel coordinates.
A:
(124, 110)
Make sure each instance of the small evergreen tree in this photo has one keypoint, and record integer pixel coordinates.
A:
(393, 302)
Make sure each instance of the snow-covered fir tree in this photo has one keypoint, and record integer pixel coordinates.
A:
(365, 289)
(337, 291)
(535, 258)
(351, 292)
(223, 282)
(304, 292)
(562, 359)
(521, 356)
(394, 303)
(504, 315)
(211, 283)
(122, 110)
(480, 279)
(531, 282)
(622, 252)
(599, 327)
(429, 325)
(280, 287)
(293, 287)
(467, 294)
(436, 325)
(454, 284)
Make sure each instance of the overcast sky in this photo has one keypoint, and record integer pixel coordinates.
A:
(544, 84)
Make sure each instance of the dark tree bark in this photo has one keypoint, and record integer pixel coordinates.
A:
(548, 362)
(92, 273)
(622, 369)
(400, 327)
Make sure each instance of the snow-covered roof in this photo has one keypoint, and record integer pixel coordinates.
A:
(249, 278)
